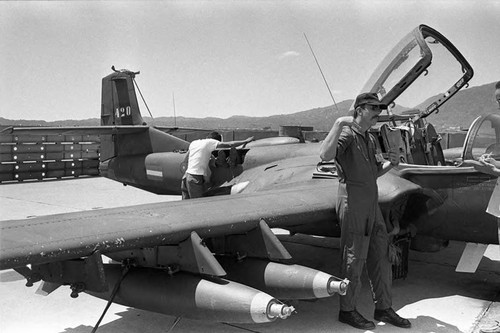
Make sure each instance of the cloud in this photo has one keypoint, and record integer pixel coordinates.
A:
(288, 54)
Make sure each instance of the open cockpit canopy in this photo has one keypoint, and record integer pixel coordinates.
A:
(424, 63)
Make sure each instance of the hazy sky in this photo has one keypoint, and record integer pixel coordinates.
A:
(219, 58)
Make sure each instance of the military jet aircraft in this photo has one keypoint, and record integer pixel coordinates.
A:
(215, 258)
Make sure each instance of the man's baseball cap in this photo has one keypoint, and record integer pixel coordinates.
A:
(370, 99)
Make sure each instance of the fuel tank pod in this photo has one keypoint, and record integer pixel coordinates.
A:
(191, 296)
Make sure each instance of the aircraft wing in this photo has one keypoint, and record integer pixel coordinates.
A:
(76, 130)
(96, 130)
(74, 235)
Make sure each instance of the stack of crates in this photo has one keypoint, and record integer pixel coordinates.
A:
(39, 157)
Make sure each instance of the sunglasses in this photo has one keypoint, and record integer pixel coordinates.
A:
(373, 108)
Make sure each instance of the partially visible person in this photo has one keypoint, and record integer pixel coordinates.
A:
(488, 164)
(364, 239)
(194, 181)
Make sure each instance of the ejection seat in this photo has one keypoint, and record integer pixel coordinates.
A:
(397, 139)
(415, 144)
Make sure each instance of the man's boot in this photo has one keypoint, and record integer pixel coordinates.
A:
(391, 317)
(354, 319)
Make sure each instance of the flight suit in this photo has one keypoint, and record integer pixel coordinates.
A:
(364, 237)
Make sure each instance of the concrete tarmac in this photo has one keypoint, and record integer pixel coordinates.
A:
(434, 297)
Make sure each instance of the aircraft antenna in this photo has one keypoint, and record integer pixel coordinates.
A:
(173, 101)
(140, 93)
(324, 79)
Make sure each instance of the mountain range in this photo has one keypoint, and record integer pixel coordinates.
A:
(457, 113)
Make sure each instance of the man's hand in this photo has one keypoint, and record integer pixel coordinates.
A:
(348, 121)
(486, 159)
(247, 140)
(393, 157)
(485, 164)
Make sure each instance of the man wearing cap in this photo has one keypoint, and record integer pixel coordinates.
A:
(364, 237)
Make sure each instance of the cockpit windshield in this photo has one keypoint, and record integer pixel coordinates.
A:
(422, 72)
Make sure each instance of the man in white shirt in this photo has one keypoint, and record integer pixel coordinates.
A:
(200, 152)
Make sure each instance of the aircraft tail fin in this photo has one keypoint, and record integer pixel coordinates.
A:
(119, 107)
(119, 104)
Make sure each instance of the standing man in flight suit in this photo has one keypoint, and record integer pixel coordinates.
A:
(364, 237)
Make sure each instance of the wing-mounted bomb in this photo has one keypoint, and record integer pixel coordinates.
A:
(250, 259)
(284, 281)
(192, 296)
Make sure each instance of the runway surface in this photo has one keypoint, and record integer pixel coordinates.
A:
(433, 296)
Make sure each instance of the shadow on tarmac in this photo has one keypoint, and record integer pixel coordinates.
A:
(10, 276)
(134, 320)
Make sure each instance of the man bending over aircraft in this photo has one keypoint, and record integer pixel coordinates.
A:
(364, 238)
(198, 170)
